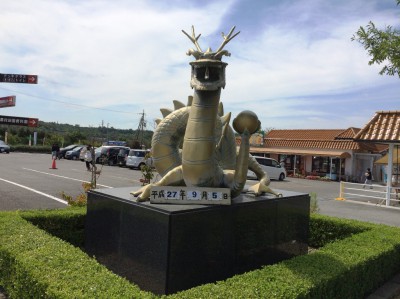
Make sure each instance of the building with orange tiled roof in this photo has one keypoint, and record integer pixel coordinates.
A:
(332, 152)
(384, 128)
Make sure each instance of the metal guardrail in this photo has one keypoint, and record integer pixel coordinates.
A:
(375, 194)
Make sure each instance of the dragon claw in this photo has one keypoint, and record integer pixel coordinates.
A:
(140, 199)
(260, 188)
(143, 194)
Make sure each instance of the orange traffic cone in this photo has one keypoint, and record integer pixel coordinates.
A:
(53, 165)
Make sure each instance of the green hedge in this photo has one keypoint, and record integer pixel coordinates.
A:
(31, 149)
(66, 224)
(354, 259)
(34, 264)
(324, 230)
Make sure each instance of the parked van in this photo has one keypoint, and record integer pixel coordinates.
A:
(136, 158)
(122, 156)
(272, 167)
(107, 154)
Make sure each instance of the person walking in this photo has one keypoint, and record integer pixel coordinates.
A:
(368, 178)
(55, 149)
(88, 158)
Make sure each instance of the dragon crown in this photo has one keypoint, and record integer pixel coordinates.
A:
(209, 54)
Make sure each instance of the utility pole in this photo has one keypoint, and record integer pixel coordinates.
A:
(140, 129)
(107, 131)
(93, 182)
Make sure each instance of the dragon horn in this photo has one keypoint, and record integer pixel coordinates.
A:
(194, 39)
(226, 38)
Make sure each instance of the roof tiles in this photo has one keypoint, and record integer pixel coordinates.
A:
(304, 134)
(322, 144)
(383, 127)
(331, 139)
(335, 139)
(348, 134)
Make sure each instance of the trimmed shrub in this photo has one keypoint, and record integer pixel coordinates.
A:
(325, 229)
(66, 224)
(34, 264)
(352, 260)
(31, 149)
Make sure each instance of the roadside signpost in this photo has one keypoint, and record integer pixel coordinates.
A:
(18, 78)
(7, 101)
(10, 101)
(19, 121)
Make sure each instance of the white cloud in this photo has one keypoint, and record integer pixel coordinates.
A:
(131, 56)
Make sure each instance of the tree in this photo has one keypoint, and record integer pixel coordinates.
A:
(382, 45)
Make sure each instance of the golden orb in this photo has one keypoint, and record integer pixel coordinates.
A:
(246, 120)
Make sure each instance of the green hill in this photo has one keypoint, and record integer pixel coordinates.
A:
(65, 134)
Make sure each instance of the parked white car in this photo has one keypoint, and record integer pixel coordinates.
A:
(136, 158)
(272, 167)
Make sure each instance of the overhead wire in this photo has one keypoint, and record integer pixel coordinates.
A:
(67, 103)
(70, 104)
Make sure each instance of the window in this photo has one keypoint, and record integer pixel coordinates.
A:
(274, 163)
(267, 162)
(261, 161)
(139, 154)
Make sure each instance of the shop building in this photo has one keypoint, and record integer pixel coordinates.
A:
(331, 153)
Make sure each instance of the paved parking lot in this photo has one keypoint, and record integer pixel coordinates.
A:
(27, 182)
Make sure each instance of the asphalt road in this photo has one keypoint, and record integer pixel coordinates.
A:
(28, 182)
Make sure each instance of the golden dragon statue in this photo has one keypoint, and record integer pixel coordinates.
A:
(194, 145)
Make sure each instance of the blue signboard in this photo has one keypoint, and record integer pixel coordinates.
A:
(113, 142)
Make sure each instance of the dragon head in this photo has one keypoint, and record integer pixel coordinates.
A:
(208, 71)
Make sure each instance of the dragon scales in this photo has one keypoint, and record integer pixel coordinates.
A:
(208, 157)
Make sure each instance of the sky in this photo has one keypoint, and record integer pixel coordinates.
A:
(103, 62)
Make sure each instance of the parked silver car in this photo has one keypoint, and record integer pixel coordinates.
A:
(272, 167)
(4, 147)
(137, 157)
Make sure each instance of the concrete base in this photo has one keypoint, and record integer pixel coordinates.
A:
(166, 248)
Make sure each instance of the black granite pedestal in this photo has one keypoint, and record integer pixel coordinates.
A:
(167, 248)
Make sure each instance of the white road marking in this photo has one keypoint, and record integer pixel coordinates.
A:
(36, 191)
(112, 176)
(64, 177)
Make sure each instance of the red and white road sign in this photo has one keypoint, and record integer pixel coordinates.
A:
(33, 122)
(18, 78)
(7, 101)
(19, 121)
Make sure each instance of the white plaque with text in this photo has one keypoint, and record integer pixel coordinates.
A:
(190, 195)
